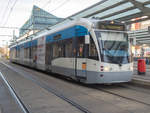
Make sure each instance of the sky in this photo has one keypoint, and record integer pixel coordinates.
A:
(14, 13)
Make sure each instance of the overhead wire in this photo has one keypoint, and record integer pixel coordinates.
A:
(60, 5)
(5, 10)
(11, 9)
(48, 2)
(6, 35)
(6, 27)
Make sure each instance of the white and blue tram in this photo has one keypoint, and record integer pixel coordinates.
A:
(90, 51)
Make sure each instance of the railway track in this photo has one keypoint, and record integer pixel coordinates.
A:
(15, 96)
(75, 104)
(121, 96)
(51, 90)
(135, 87)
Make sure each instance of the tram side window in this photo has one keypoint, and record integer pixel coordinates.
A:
(28, 52)
(18, 53)
(34, 53)
(25, 52)
(15, 53)
(68, 48)
(92, 50)
(30, 48)
(55, 50)
(80, 53)
(61, 49)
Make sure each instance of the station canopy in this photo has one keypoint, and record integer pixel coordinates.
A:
(120, 10)
(129, 11)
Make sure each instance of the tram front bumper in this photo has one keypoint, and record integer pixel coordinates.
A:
(109, 77)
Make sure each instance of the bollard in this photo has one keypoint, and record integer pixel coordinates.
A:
(141, 67)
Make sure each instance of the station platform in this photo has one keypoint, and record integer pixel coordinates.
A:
(143, 79)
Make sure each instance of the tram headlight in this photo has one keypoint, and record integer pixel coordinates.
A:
(106, 69)
(131, 68)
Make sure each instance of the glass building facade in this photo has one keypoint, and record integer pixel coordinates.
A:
(38, 20)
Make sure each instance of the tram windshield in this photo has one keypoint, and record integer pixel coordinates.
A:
(114, 47)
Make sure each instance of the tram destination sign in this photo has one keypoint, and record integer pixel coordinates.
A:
(112, 27)
(56, 37)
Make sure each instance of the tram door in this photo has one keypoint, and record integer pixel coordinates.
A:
(81, 62)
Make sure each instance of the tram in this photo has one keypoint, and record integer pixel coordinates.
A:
(87, 50)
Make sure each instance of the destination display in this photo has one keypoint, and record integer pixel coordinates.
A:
(56, 37)
(112, 27)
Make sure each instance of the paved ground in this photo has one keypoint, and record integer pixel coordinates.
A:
(36, 99)
(7, 102)
(104, 100)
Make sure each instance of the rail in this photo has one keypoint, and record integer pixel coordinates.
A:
(51, 90)
(14, 94)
